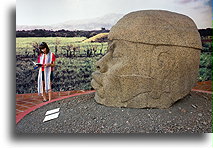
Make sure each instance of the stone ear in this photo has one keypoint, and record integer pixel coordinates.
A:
(163, 61)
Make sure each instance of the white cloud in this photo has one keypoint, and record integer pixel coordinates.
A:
(199, 10)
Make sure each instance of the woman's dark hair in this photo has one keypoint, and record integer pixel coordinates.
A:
(44, 45)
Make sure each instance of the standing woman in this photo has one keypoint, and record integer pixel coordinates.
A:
(45, 75)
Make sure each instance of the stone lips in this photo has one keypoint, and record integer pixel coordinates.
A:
(157, 27)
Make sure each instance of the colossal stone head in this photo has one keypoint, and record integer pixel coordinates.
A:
(152, 61)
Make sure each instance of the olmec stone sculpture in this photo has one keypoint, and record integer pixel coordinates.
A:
(152, 61)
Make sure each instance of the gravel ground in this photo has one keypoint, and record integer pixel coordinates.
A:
(81, 114)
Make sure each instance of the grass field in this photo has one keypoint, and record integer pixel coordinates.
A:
(71, 72)
(74, 67)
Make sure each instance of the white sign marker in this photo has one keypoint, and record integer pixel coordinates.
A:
(50, 117)
(52, 111)
(51, 114)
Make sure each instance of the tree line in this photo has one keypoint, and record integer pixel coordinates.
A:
(205, 32)
(79, 33)
(59, 33)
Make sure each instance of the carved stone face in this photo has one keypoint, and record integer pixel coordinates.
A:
(117, 65)
(139, 75)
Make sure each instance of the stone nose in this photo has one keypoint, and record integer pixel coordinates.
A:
(102, 64)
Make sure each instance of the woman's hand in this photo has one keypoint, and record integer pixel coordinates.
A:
(47, 65)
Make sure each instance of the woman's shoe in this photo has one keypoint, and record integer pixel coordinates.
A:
(45, 100)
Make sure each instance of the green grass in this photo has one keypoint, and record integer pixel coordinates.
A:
(24, 45)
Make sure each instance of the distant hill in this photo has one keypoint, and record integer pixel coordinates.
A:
(101, 37)
(106, 21)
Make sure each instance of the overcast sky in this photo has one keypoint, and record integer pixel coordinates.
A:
(46, 12)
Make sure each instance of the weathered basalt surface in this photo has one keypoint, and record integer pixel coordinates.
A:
(152, 61)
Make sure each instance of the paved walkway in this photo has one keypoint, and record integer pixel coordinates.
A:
(205, 87)
(25, 103)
